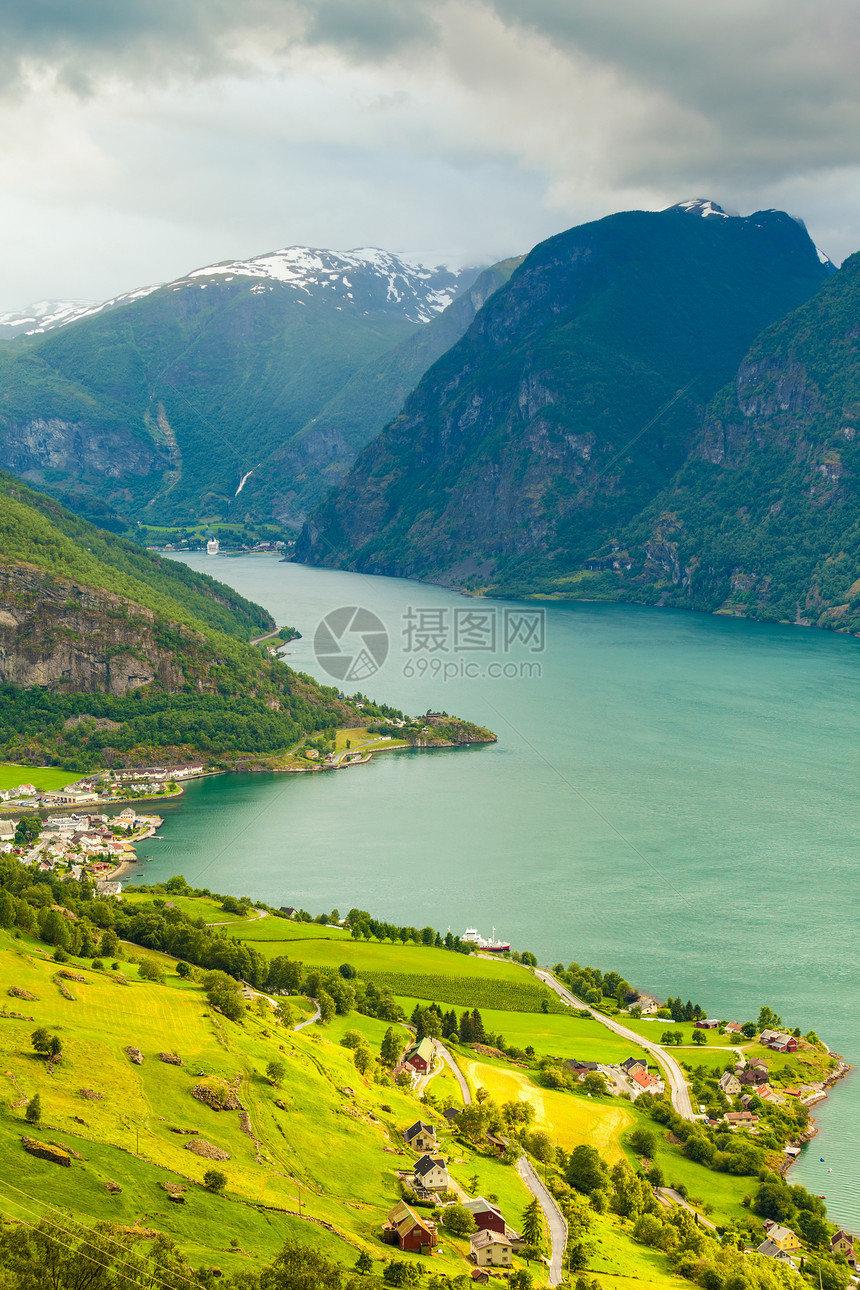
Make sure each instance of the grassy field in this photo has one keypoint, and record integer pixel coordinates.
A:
(323, 1148)
(570, 1118)
(331, 1148)
(359, 739)
(555, 1035)
(45, 778)
(653, 1030)
(195, 906)
(273, 936)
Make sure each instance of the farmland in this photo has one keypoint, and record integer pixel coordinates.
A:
(313, 1157)
(554, 1035)
(45, 778)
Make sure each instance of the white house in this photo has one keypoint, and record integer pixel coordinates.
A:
(490, 1249)
(431, 1173)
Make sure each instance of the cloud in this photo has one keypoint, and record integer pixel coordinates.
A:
(157, 134)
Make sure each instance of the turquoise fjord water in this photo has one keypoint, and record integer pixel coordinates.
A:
(676, 797)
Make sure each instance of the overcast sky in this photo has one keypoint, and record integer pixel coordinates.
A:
(141, 138)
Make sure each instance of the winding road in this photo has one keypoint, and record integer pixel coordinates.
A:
(553, 1215)
(680, 1093)
(555, 1220)
(442, 1052)
(310, 1021)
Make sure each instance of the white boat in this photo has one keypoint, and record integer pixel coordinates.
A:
(471, 936)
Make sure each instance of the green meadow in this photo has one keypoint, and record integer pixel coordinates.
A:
(45, 778)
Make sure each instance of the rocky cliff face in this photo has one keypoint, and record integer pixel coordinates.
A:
(62, 636)
(570, 403)
(764, 518)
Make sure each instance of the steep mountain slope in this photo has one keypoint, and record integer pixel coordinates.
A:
(91, 625)
(109, 653)
(764, 517)
(322, 451)
(571, 401)
(169, 403)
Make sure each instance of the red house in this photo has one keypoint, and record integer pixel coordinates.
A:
(487, 1217)
(405, 1229)
(420, 1056)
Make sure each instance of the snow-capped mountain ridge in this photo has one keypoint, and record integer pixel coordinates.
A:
(364, 279)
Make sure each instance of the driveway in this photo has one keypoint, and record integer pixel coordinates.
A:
(679, 1091)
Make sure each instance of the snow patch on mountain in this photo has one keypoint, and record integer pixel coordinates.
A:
(703, 207)
(417, 290)
(365, 280)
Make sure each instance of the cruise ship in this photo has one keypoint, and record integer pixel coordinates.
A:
(471, 936)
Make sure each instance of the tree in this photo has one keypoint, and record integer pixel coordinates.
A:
(647, 1229)
(522, 1279)
(27, 831)
(768, 1019)
(150, 970)
(7, 909)
(532, 1226)
(643, 1142)
(222, 991)
(33, 1114)
(214, 1180)
(364, 1062)
(813, 1227)
(585, 1169)
(276, 1071)
(41, 1040)
(183, 969)
(594, 1084)
(458, 1220)
(326, 1005)
(364, 1263)
(389, 1049)
(699, 1037)
(541, 1146)
(828, 1274)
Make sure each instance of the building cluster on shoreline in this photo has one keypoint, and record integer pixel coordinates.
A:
(81, 845)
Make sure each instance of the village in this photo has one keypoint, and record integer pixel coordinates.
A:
(493, 1243)
(96, 846)
(102, 788)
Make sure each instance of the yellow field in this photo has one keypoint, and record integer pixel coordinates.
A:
(570, 1119)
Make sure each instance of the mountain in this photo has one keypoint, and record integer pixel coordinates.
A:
(43, 316)
(571, 402)
(143, 648)
(763, 519)
(111, 653)
(168, 403)
(320, 454)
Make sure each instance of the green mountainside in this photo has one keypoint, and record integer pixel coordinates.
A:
(163, 408)
(174, 1113)
(569, 405)
(764, 517)
(107, 650)
(111, 654)
(320, 454)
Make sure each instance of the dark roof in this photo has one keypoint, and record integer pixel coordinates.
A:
(452, 1113)
(419, 1127)
(631, 1062)
(426, 1163)
(574, 1064)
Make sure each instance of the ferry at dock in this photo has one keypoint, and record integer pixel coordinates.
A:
(471, 936)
